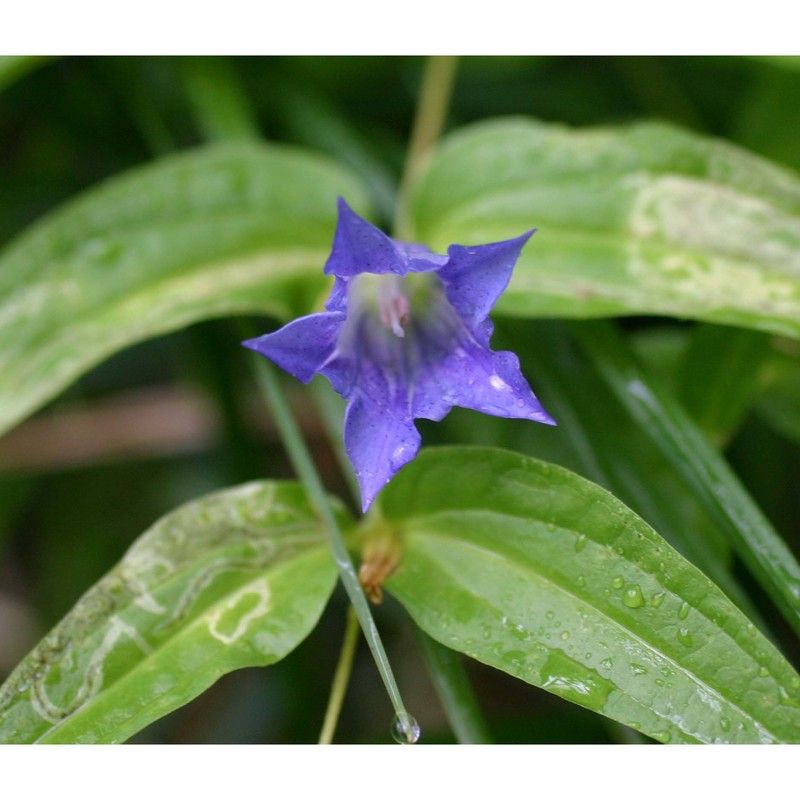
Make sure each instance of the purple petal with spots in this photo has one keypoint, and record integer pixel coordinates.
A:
(360, 247)
(379, 440)
(404, 345)
(475, 277)
(303, 346)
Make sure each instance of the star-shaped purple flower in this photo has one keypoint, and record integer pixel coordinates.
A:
(405, 335)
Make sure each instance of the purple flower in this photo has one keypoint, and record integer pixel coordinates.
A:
(405, 335)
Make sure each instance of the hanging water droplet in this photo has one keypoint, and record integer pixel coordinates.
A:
(633, 597)
(405, 729)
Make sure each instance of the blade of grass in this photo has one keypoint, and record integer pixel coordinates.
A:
(751, 535)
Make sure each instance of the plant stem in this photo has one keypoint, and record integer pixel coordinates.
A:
(340, 678)
(455, 692)
(306, 471)
(449, 677)
(434, 99)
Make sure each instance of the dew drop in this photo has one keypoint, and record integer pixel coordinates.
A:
(607, 663)
(683, 611)
(405, 729)
(580, 543)
(550, 614)
(633, 597)
(657, 599)
(565, 636)
(618, 583)
(581, 581)
(685, 637)
(662, 736)
(763, 672)
(724, 724)
(638, 669)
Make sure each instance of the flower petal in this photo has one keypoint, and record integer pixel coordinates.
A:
(379, 440)
(472, 376)
(303, 346)
(475, 277)
(360, 247)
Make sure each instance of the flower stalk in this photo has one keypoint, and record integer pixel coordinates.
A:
(309, 477)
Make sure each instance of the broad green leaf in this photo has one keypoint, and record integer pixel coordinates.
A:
(235, 579)
(224, 229)
(603, 442)
(642, 219)
(533, 570)
(671, 430)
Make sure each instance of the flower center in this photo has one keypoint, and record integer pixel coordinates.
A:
(393, 304)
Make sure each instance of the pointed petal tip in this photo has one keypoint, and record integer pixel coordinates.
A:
(251, 344)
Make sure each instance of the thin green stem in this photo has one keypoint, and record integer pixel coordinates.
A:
(341, 678)
(331, 410)
(455, 692)
(306, 471)
(434, 99)
(448, 674)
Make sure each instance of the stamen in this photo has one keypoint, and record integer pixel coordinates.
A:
(393, 305)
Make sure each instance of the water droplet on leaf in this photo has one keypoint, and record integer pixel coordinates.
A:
(633, 597)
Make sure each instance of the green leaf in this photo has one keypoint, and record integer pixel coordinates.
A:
(643, 219)
(531, 569)
(235, 579)
(779, 401)
(671, 430)
(605, 444)
(719, 377)
(218, 101)
(224, 229)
